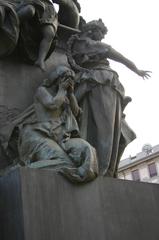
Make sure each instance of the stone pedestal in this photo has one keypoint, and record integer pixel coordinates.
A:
(41, 205)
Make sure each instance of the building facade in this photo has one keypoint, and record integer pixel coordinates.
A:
(143, 167)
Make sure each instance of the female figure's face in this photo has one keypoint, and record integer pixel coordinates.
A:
(96, 34)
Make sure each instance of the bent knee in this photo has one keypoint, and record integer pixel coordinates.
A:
(31, 10)
(48, 32)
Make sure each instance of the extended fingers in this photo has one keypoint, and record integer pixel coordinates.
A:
(146, 74)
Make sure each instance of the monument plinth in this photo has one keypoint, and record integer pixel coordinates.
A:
(39, 204)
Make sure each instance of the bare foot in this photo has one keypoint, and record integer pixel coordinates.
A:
(40, 64)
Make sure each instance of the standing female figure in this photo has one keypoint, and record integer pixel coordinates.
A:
(101, 94)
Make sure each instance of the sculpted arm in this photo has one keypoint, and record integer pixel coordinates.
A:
(48, 100)
(118, 57)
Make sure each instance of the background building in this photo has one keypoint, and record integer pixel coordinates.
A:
(142, 167)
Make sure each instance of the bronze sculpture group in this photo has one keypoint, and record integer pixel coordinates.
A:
(31, 25)
(76, 124)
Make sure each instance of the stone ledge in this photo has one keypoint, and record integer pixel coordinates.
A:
(41, 205)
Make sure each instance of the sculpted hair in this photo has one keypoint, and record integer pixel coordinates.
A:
(76, 68)
(95, 24)
(85, 27)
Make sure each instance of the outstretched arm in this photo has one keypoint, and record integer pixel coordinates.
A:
(118, 57)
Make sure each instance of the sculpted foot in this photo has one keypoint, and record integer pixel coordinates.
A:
(41, 65)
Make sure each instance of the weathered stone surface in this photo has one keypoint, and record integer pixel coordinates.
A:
(38, 204)
(11, 210)
(18, 83)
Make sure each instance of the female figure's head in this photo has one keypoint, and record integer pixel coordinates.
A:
(95, 29)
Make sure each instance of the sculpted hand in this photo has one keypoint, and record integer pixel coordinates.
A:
(71, 87)
(144, 74)
(64, 84)
(67, 83)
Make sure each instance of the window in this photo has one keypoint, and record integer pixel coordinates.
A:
(135, 175)
(152, 169)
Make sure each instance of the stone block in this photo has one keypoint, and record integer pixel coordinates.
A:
(41, 205)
